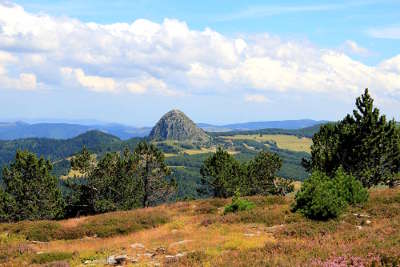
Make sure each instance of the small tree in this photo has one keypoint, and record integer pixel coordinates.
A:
(119, 181)
(152, 172)
(319, 198)
(261, 173)
(29, 186)
(322, 198)
(222, 174)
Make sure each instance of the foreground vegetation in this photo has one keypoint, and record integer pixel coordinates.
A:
(199, 233)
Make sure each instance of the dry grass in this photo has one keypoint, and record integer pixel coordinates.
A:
(289, 142)
(268, 235)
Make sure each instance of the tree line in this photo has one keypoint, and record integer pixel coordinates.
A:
(119, 181)
(123, 181)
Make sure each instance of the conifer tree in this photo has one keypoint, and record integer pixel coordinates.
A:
(29, 186)
(365, 144)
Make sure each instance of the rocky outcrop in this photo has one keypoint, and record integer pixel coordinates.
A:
(175, 125)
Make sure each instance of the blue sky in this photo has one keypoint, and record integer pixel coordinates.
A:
(218, 61)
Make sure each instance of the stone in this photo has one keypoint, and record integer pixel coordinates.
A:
(111, 260)
(121, 259)
(150, 255)
(249, 235)
(137, 245)
(161, 250)
(182, 242)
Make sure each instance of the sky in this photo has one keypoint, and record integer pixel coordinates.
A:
(218, 61)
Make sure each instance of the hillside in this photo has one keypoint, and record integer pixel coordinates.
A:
(301, 132)
(184, 157)
(175, 125)
(197, 233)
(250, 126)
(58, 150)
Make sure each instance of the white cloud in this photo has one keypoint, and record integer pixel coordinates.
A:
(171, 59)
(390, 32)
(94, 83)
(255, 98)
(144, 85)
(353, 48)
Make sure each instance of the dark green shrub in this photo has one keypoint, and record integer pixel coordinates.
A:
(322, 197)
(319, 198)
(238, 204)
(350, 189)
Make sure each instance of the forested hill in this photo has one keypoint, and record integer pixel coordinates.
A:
(96, 141)
(303, 132)
(99, 143)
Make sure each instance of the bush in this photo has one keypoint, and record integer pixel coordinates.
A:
(322, 198)
(238, 204)
(349, 188)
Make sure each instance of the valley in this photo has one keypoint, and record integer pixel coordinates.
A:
(184, 156)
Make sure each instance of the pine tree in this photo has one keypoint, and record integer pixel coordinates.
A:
(261, 173)
(152, 171)
(364, 144)
(221, 174)
(35, 192)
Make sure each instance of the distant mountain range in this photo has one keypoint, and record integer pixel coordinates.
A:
(17, 130)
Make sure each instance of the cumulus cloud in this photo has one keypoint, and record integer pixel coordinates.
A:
(256, 98)
(171, 59)
(94, 83)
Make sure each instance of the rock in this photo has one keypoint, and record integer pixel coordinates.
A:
(137, 245)
(174, 258)
(182, 242)
(175, 125)
(121, 259)
(161, 250)
(117, 260)
(367, 222)
(359, 227)
(272, 229)
(180, 254)
(111, 260)
(150, 255)
(361, 215)
(249, 235)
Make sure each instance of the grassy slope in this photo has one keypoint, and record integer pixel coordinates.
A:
(289, 142)
(267, 235)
